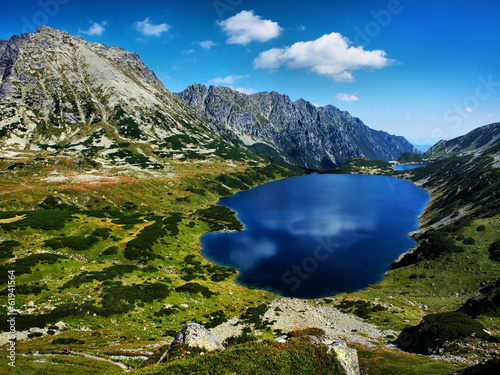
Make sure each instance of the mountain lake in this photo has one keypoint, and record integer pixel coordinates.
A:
(318, 235)
(404, 167)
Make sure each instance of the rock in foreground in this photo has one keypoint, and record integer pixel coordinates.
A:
(196, 336)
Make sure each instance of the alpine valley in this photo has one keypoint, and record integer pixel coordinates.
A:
(108, 180)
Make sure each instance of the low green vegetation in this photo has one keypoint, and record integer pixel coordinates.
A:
(360, 308)
(298, 356)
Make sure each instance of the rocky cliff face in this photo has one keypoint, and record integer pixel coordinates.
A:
(297, 132)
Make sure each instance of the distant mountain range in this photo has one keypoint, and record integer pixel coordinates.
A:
(296, 132)
(62, 94)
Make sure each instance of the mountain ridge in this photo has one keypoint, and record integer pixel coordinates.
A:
(475, 141)
(272, 119)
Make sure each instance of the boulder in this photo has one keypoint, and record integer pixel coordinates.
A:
(348, 357)
(194, 335)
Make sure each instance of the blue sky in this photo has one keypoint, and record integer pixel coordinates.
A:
(423, 69)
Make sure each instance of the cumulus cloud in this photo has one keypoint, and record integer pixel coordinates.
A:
(331, 55)
(246, 27)
(229, 80)
(207, 44)
(469, 110)
(95, 29)
(346, 97)
(147, 28)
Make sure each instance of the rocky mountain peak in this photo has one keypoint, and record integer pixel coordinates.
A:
(58, 90)
(296, 132)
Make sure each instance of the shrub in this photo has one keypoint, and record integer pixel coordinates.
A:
(360, 308)
(77, 243)
(66, 341)
(140, 248)
(167, 311)
(494, 251)
(106, 275)
(171, 222)
(254, 315)
(481, 228)
(214, 215)
(435, 243)
(231, 182)
(41, 219)
(244, 337)
(53, 203)
(216, 318)
(469, 241)
(110, 250)
(25, 289)
(7, 248)
(104, 233)
(194, 288)
(309, 331)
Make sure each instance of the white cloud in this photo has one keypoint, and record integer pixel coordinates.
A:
(347, 97)
(246, 91)
(207, 44)
(246, 27)
(490, 115)
(332, 55)
(147, 28)
(227, 80)
(188, 51)
(95, 29)
(469, 110)
(301, 28)
(408, 117)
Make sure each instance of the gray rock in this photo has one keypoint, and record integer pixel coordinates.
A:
(348, 357)
(197, 336)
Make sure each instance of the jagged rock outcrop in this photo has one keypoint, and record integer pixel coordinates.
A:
(194, 335)
(348, 357)
(297, 132)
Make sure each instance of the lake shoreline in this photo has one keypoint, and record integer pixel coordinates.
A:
(265, 252)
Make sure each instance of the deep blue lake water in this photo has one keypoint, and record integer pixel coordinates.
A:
(404, 167)
(318, 235)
